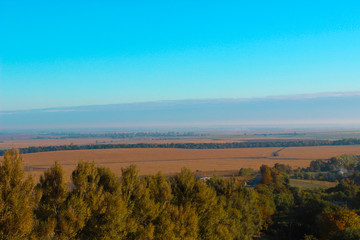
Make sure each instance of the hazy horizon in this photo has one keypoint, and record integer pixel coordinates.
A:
(284, 96)
(332, 110)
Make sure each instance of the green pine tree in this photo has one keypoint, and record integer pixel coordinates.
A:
(17, 200)
(53, 190)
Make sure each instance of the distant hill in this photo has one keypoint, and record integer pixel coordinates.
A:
(332, 109)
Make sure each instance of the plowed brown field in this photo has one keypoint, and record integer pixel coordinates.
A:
(168, 161)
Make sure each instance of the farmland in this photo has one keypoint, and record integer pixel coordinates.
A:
(300, 183)
(169, 160)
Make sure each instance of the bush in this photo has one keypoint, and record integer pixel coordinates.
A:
(245, 172)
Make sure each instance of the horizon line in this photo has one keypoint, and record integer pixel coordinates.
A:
(270, 97)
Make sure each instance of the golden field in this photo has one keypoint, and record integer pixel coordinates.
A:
(318, 152)
(169, 161)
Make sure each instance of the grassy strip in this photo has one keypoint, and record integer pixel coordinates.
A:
(300, 183)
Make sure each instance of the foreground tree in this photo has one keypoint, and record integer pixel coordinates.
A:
(53, 190)
(143, 209)
(334, 222)
(95, 208)
(16, 199)
(188, 191)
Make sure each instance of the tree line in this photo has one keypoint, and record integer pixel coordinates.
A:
(120, 135)
(333, 169)
(248, 144)
(96, 204)
(311, 214)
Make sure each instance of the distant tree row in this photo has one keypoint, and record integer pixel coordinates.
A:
(117, 135)
(249, 144)
(344, 162)
(333, 169)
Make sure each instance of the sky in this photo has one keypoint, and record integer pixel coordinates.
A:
(75, 53)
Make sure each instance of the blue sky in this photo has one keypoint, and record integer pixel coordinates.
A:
(71, 53)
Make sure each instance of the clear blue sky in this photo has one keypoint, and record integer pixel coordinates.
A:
(71, 53)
